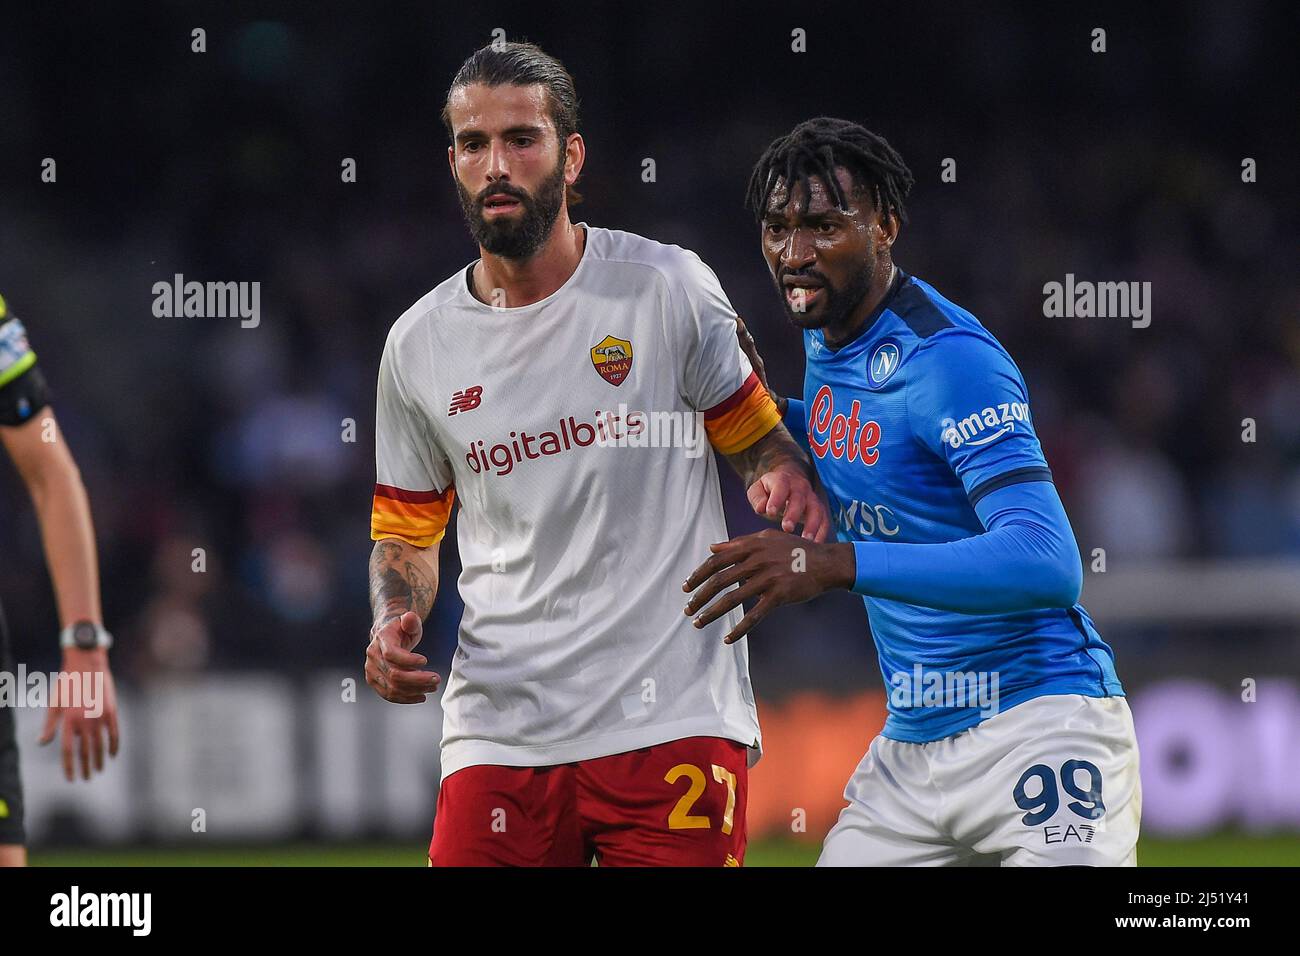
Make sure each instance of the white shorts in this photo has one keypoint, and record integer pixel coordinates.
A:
(1050, 782)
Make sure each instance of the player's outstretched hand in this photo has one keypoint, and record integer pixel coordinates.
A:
(393, 670)
(750, 349)
(89, 717)
(771, 566)
(785, 494)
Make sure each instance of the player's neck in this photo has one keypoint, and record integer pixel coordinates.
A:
(530, 280)
(861, 318)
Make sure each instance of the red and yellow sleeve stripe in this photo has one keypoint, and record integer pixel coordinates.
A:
(737, 422)
(417, 517)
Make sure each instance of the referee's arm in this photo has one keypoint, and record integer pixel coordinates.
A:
(30, 434)
(54, 482)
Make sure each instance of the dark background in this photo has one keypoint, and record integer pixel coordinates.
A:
(225, 166)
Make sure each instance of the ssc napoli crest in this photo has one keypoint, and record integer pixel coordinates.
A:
(884, 361)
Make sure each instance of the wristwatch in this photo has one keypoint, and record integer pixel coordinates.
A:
(85, 635)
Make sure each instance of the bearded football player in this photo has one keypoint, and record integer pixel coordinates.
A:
(1008, 739)
(583, 717)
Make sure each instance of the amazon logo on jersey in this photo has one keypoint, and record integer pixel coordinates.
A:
(995, 420)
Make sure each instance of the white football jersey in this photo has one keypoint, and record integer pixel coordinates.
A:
(576, 433)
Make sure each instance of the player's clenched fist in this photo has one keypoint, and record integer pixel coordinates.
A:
(393, 670)
(786, 494)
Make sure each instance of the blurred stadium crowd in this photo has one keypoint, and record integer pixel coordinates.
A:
(225, 166)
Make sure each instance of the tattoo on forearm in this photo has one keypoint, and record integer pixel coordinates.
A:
(390, 595)
(762, 456)
(398, 585)
(421, 589)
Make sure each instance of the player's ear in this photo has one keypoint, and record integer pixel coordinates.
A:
(575, 154)
(451, 160)
(888, 231)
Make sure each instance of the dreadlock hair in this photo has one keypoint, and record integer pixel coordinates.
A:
(522, 64)
(814, 148)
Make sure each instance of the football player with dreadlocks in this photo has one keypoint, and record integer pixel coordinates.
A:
(1008, 739)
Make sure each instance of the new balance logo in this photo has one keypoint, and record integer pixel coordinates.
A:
(465, 400)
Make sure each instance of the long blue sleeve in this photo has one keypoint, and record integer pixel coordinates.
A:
(1026, 559)
(796, 422)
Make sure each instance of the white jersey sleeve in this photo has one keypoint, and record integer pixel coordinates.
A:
(414, 491)
(717, 378)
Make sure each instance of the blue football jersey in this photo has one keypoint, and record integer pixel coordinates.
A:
(910, 425)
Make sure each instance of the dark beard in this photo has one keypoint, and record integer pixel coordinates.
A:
(521, 238)
(838, 304)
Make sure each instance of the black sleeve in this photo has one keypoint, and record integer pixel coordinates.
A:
(23, 397)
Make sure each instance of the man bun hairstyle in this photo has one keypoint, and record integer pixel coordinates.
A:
(522, 64)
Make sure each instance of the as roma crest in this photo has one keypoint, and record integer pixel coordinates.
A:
(612, 358)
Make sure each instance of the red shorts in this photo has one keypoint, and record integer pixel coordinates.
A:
(680, 803)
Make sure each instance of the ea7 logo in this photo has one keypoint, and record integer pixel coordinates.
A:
(989, 424)
(1059, 833)
(465, 400)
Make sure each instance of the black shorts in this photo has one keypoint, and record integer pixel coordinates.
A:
(11, 787)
